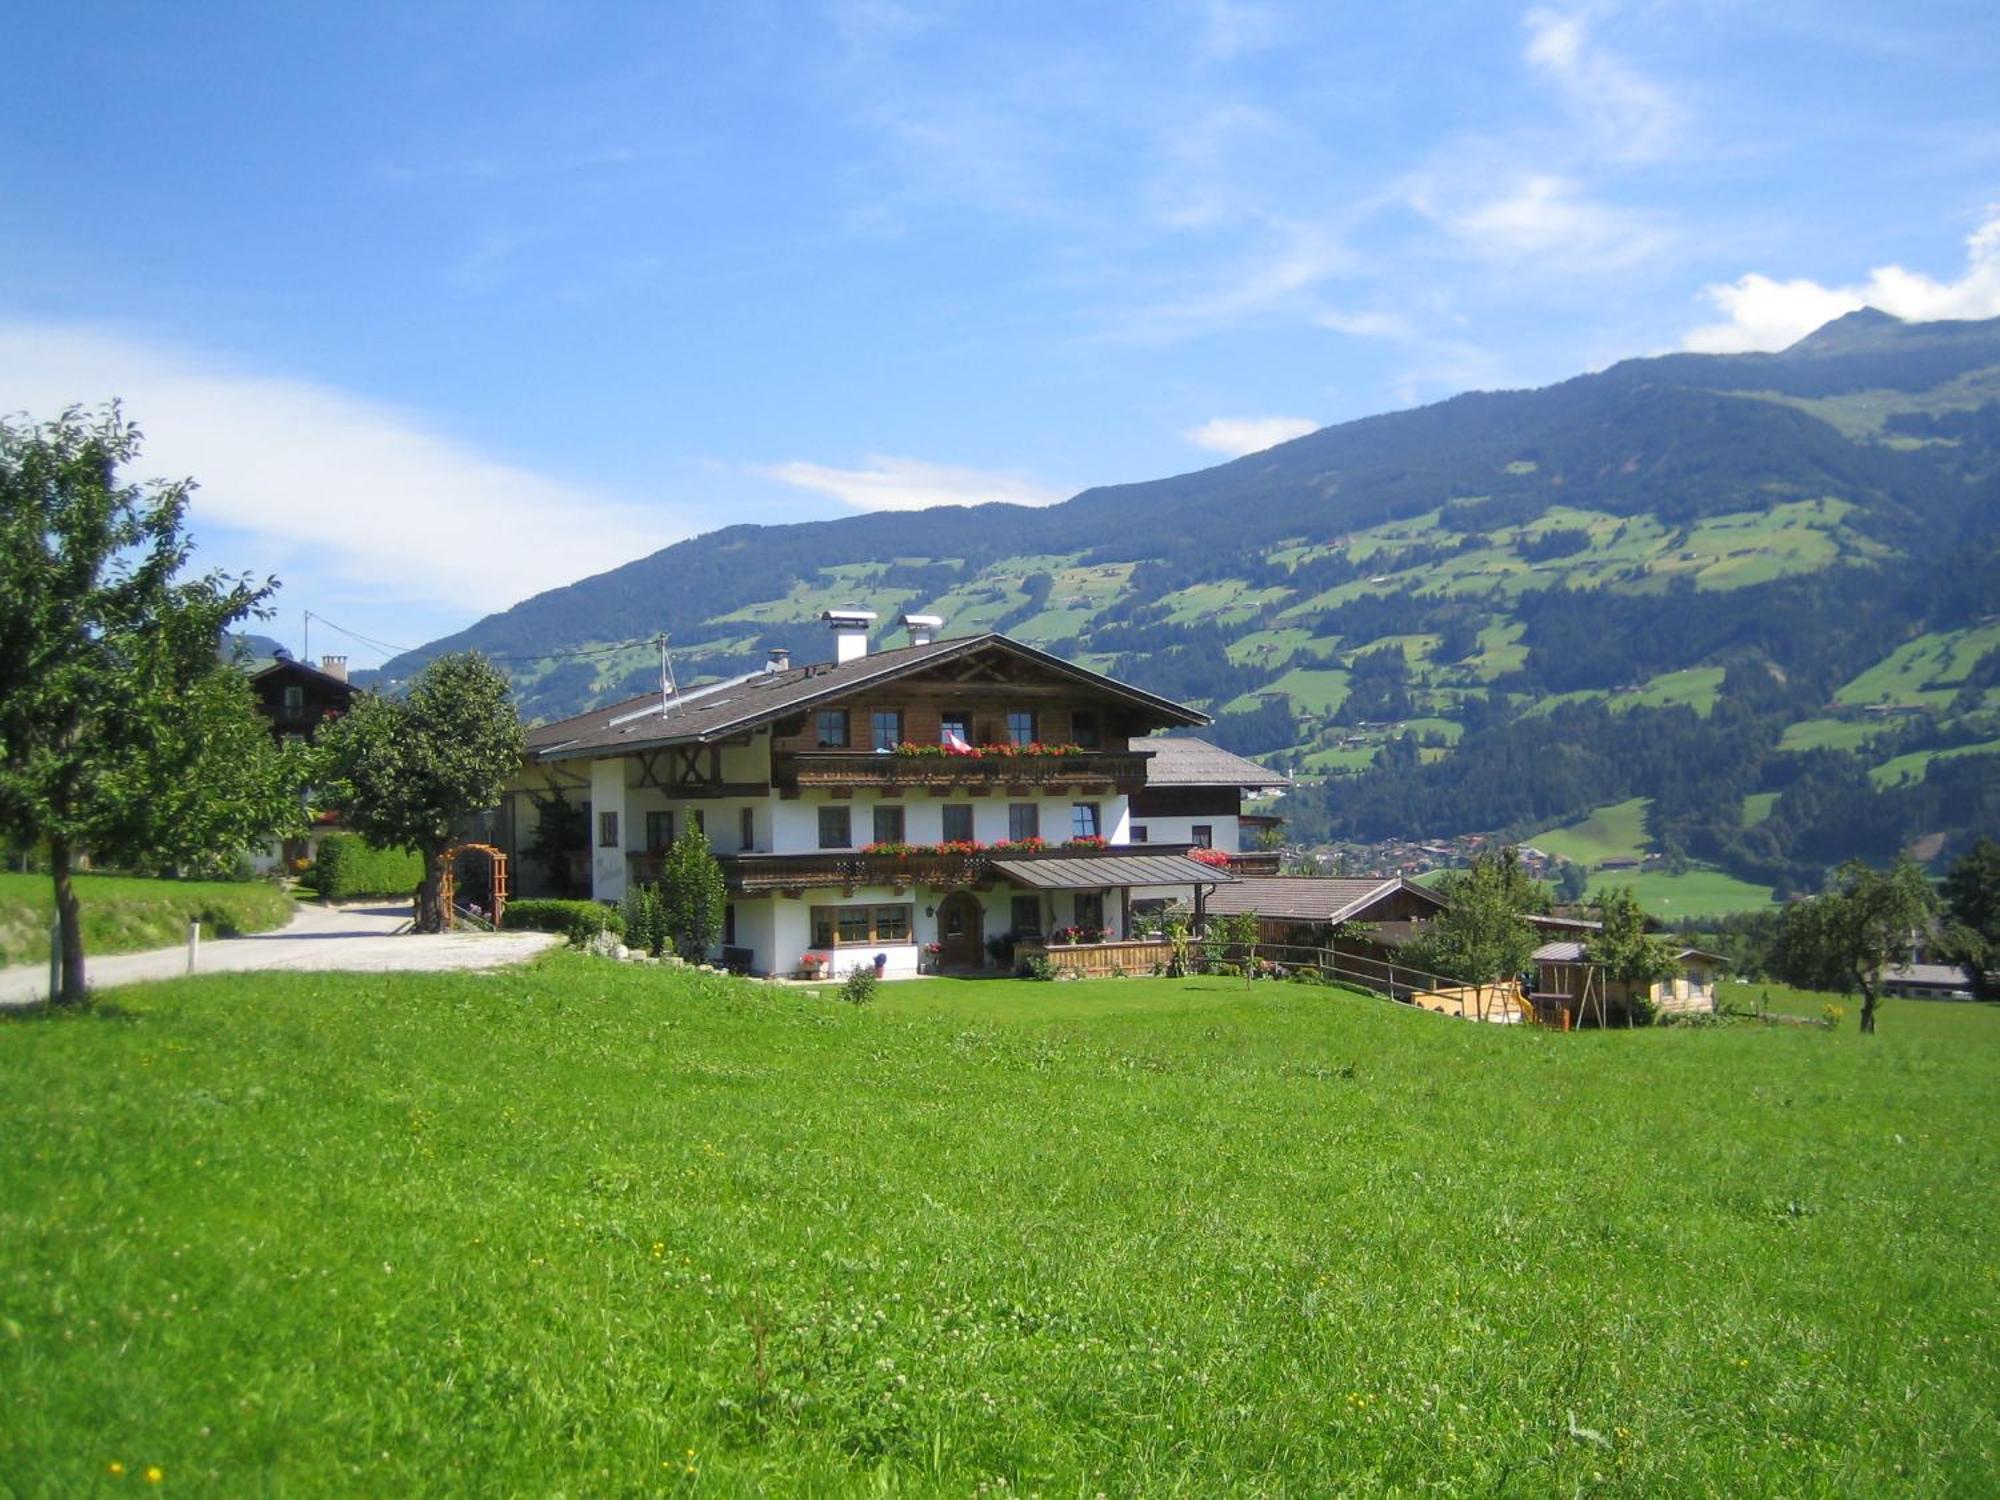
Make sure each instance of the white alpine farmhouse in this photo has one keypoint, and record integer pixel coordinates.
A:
(910, 804)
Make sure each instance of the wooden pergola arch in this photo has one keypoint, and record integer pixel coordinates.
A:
(496, 858)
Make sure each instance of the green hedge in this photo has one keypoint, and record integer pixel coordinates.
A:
(579, 921)
(348, 866)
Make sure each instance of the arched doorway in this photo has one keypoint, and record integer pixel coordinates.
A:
(961, 932)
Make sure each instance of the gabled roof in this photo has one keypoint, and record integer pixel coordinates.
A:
(1311, 898)
(286, 666)
(1571, 952)
(722, 709)
(1185, 762)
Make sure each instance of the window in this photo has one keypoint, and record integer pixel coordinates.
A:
(729, 923)
(1204, 835)
(1024, 820)
(746, 829)
(833, 729)
(295, 697)
(859, 926)
(607, 830)
(1083, 729)
(888, 825)
(1027, 916)
(1021, 726)
(958, 823)
(1090, 909)
(659, 830)
(955, 725)
(1083, 820)
(1138, 833)
(836, 828)
(888, 728)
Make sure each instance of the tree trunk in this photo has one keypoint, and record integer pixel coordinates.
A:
(1867, 1009)
(68, 914)
(430, 912)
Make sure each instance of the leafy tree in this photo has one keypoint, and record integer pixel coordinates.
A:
(1481, 937)
(1843, 939)
(692, 890)
(1628, 954)
(1572, 884)
(1972, 904)
(122, 733)
(405, 771)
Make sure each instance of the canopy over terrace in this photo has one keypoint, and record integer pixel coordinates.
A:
(1091, 872)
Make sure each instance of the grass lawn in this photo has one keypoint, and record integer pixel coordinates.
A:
(580, 1229)
(126, 914)
(1614, 831)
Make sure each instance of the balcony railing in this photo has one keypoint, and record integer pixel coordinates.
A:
(1123, 769)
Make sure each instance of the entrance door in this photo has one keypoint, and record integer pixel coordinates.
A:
(961, 932)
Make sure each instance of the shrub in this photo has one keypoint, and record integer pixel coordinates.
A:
(348, 866)
(858, 988)
(645, 914)
(579, 921)
(1037, 966)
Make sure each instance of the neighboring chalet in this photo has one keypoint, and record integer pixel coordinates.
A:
(1302, 910)
(947, 792)
(1194, 795)
(297, 697)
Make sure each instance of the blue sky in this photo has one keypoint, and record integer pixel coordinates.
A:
(446, 305)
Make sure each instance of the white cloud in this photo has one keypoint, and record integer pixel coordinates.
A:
(1762, 313)
(1627, 114)
(328, 484)
(911, 484)
(1547, 217)
(1237, 436)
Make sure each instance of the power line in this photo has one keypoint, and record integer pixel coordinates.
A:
(585, 653)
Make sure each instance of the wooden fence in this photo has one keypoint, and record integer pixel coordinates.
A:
(1102, 960)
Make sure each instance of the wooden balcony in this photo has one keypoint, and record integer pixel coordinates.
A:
(1257, 862)
(839, 771)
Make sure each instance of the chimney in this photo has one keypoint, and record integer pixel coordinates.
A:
(334, 666)
(780, 660)
(923, 628)
(850, 633)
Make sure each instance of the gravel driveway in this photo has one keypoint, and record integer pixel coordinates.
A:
(349, 939)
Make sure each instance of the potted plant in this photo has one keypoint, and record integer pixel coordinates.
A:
(881, 964)
(810, 964)
(933, 955)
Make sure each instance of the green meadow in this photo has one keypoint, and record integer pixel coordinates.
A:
(582, 1229)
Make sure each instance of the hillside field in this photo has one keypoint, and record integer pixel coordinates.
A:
(126, 914)
(592, 1230)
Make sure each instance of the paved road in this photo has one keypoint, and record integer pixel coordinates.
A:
(352, 938)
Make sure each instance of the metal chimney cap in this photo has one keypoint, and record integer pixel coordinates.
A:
(924, 622)
(849, 619)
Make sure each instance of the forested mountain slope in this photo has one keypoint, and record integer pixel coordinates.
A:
(1758, 590)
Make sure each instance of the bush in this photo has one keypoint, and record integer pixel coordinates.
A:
(645, 914)
(858, 988)
(348, 866)
(579, 921)
(1037, 966)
